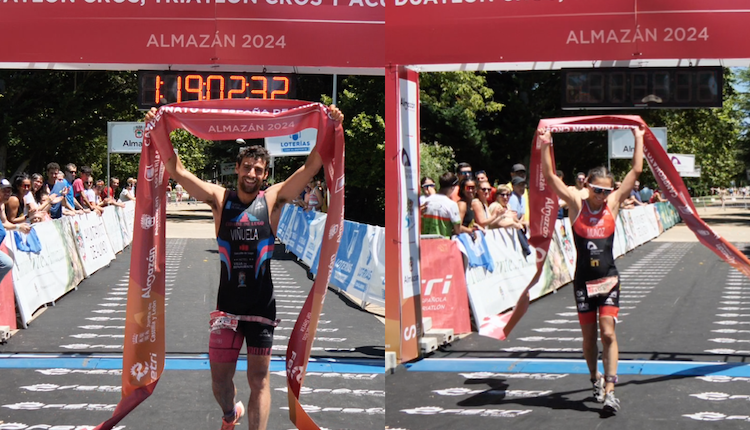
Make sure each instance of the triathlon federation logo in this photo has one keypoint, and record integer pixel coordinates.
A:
(139, 370)
(147, 221)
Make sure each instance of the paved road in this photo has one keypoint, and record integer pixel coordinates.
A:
(684, 337)
(65, 369)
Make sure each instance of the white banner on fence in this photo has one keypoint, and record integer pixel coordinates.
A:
(92, 241)
(127, 218)
(43, 277)
(112, 225)
(359, 269)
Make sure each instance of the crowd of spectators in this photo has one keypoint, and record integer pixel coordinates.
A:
(468, 201)
(28, 199)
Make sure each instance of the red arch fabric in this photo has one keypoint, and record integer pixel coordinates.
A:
(143, 357)
(543, 206)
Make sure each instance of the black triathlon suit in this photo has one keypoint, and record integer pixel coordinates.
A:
(245, 248)
(594, 234)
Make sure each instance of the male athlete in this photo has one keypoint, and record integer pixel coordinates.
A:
(246, 221)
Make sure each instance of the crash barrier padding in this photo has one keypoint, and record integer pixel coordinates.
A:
(69, 249)
(360, 262)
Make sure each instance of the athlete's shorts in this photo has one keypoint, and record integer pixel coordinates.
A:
(224, 345)
(608, 305)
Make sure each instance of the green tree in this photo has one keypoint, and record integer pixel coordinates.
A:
(434, 160)
(362, 101)
(457, 109)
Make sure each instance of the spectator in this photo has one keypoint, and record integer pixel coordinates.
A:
(646, 194)
(326, 196)
(635, 194)
(79, 186)
(109, 192)
(52, 169)
(106, 201)
(464, 170)
(441, 214)
(70, 177)
(486, 217)
(128, 193)
(656, 197)
(519, 171)
(5, 193)
(500, 205)
(313, 198)
(467, 191)
(90, 196)
(180, 191)
(481, 207)
(61, 206)
(516, 201)
(16, 209)
(507, 216)
(428, 189)
(481, 176)
(580, 186)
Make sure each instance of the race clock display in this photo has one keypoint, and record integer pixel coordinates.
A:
(638, 88)
(155, 87)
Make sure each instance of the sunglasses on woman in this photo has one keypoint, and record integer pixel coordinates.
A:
(486, 190)
(425, 186)
(505, 194)
(601, 190)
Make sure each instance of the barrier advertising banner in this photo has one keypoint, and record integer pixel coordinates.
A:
(7, 301)
(210, 33)
(90, 235)
(422, 32)
(43, 277)
(359, 263)
(113, 230)
(444, 295)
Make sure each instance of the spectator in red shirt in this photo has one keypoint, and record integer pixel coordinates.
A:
(109, 192)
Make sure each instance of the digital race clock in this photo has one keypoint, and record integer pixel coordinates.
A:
(638, 88)
(170, 87)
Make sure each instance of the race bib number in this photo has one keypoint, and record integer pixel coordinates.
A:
(221, 320)
(601, 287)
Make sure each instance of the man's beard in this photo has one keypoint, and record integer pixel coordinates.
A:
(249, 189)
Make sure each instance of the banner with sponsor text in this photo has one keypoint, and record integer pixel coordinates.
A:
(444, 296)
(94, 247)
(424, 32)
(358, 269)
(135, 33)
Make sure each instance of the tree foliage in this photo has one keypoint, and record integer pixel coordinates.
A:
(494, 139)
(434, 160)
(62, 116)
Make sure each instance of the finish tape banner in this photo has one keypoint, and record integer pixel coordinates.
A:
(144, 349)
(543, 205)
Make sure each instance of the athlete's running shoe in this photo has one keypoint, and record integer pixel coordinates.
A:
(239, 411)
(611, 403)
(599, 389)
